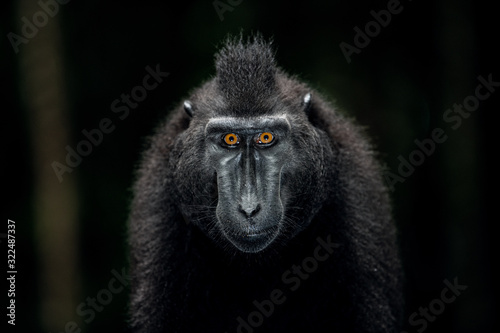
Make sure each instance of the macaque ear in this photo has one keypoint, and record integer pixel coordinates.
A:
(306, 102)
(188, 107)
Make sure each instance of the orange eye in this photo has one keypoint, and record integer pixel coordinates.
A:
(231, 139)
(265, 137)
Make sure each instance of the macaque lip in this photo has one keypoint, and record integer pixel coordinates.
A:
(259, 233)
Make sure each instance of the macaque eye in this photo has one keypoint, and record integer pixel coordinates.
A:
(231, 139)
(265, 137)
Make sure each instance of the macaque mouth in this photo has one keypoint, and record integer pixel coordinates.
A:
(251, 238)
(254, 233)
(249, 232)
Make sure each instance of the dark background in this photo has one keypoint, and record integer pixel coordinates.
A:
(71, 235)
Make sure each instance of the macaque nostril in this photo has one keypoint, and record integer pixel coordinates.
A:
(249, 210)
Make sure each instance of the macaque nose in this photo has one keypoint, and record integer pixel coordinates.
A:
(249, 209)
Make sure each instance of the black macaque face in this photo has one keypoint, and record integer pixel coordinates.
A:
(250, 181)
(248, 156)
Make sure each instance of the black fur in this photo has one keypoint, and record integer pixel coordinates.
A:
(186, 277)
